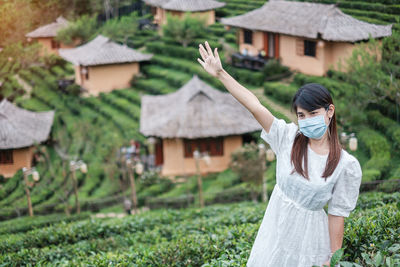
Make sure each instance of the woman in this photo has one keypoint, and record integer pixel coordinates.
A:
(312, 170)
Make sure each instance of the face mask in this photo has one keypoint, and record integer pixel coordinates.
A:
(314, 127)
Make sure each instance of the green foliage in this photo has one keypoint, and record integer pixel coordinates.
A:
(82, 30)
(273, 70)
(218, 235)
(379, 150)
(74, 89)
(387, 126)
(245, 76)
(121, 29)
(248, 162)
(19, 56)
(370, 82)
(280, 92)
(391, 54)
(25, 224)
(185, 29)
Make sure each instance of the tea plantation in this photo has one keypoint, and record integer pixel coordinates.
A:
(218, 235)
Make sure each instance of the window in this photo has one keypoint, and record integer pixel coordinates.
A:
(85, 72)
(214, 146)
(6, 156)
(248, 36)
(55, 44)
(309, 48)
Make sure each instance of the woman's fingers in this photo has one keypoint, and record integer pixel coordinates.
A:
(201, 62)
(216, 54)
(209, 49)
(203, 53)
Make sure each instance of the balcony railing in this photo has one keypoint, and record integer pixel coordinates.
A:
(248, 62)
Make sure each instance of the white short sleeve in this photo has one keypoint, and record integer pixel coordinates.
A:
(279, 133)
(346, 189)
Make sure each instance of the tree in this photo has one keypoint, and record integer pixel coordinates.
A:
(121, 29)
(83, 30)
(369, 79)
(246, 162)
(184, 30)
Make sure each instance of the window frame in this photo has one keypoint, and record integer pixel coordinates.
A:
(213, 145)
(55, 44)
(308, 48)
(6, 156)
(247, 36)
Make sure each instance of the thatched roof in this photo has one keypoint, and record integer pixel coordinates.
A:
(49, 30)
(186, 5)
(101, 50)
(196, 110)
(22, 128)
(308, 20)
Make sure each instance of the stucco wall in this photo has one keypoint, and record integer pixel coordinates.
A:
(22, 157)
(175, 163)
(105, 78)
(257, 42)
(46, 46)
(305, 64)
(327, 53)
(338, 52)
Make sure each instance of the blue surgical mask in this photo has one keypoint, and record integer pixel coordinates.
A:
(313, 127)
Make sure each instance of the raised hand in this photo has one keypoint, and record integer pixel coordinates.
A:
(211, 62)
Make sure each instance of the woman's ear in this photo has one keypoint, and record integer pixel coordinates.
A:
(331, 111)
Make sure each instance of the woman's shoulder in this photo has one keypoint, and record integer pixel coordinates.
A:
(350, 163)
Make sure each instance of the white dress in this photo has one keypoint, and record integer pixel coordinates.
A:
(294, 231)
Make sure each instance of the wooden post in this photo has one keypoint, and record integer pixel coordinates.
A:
(199, 182)
(264, 179)
(28, 195)
(78, 208)
(133, 187)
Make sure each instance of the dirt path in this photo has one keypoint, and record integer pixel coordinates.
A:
(118, 215)
(25, 85)
(260, 94)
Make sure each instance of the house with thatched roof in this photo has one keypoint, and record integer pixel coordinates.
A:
(204, 9)
(102, 65)
(307, 37)
(196, 116)
(20, 129)
(45, 35)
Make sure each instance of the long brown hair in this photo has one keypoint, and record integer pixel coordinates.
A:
(310, 97)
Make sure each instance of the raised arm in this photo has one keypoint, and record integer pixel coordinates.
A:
(212, 64)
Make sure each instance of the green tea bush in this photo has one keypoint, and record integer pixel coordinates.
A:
(280, 92)
(379, 150)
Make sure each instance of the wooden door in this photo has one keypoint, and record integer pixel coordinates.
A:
(266, 43)
(271, 44)
(159, 152)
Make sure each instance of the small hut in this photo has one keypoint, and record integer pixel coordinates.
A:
(203, 8)
(20, 129)
(46, 34)
(102, 65)
(195, 116)
(307, 37)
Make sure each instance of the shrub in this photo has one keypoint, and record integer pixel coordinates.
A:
(379, 150)
(273, 70)
(279, 91)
